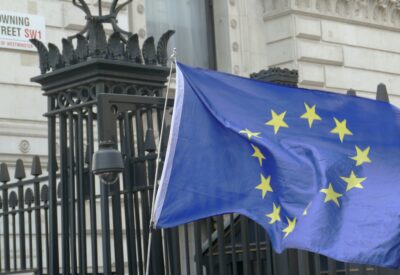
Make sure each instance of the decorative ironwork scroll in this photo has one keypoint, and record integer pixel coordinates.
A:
(92, 42)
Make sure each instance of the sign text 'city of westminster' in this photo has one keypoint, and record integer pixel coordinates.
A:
(17, 28)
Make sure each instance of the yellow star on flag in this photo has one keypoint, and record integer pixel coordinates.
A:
(310, 115)
(291, 225)
(331, 195)
(274, 215)
(361, 156)
(341, 129)
(250, 134)
(258, 154)
(265, 185)
(277, 121)
(353, 182)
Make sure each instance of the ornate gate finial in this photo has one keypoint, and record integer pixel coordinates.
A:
(92, 42)
(100, 19)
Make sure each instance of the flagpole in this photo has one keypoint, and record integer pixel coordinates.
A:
(173, 61)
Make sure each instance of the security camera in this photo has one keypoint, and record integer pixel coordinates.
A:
(107, 164)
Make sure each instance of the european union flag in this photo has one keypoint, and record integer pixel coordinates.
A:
(319, 171)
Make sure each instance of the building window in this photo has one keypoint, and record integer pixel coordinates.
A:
(192, 20)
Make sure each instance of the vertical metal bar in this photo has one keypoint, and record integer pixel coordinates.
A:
(21, 217)
(14, 226)
(281, 263)
(198, 244)
(166, 252)
(53, 266)
(64, 196)
(304, 265)
(139, 240)
(127, 152)
(141, 179)
(258, 252)
(268, 255)
(212, 60)
(362, 269)
(244, 225)
(30, 238)
(221, 245)
(71, 195)
(81, 199)
(114, 188)
(317, 264)
(117, 223)
(198, 250)
(135, 182)
(347, 268)
(100, 9)
(6, 230)
(233, 244)
(1, 266)
(156, 249)
(46, 221)
(173, 235)
(292, 260)
(187, 253)
(105, 232)
(38, 228)
(210, 247)
(331, 267)
(92, 192)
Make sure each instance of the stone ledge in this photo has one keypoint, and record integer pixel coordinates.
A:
(372, 60)
(360, 36)
(311, 74)
(308, 28)
(360, 80)
(283, 52)
(317, 52)
(380, 12)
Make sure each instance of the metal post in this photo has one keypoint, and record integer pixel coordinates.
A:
(105, 226)
(20, 174)
(4, 178)
(64, 197)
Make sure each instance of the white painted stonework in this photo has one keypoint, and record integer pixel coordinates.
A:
(337, 44)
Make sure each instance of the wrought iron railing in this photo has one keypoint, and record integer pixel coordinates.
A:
(24, 223)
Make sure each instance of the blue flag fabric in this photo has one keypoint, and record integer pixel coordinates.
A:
(318, 170)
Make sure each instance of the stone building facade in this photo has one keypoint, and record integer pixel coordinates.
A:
(335, 44)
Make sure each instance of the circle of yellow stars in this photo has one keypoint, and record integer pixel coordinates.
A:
(341, 129)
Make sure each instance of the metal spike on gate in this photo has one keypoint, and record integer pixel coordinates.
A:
(19, 170)
(4, 175)
(36, 166)
(29, 197)
(150, 143)
(352, 92)
(44, 193)
(13, 200)
(381, 93)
